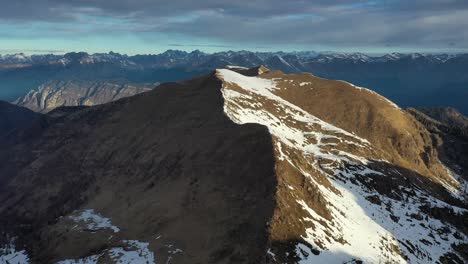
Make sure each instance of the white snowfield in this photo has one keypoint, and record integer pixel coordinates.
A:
(371, 235)
(9, 254)
(134, 252)
(131, 251)
(93, 220)
(236, 67)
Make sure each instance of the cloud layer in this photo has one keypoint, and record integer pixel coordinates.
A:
(426, 24)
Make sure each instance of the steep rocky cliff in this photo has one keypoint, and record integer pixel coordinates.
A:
(53, 94)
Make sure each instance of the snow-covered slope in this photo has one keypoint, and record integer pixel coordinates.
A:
(332, 209)
(9, 254)
(129, 251)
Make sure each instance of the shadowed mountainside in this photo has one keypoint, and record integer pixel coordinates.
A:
(13, 117)
(167, 163)
(449, 130)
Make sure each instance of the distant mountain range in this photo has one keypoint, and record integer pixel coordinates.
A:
(173, 58)
(53, 94)
(408, 79)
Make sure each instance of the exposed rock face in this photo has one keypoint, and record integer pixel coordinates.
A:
(237, 166)
(78, 93)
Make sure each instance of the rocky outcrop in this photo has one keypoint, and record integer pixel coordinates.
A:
(53, 94)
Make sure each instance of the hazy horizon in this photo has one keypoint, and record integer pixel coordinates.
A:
(149, 27)
(4, 52)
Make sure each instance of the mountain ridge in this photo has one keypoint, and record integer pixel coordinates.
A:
(238, 161)
(178, 56)
(53, 94)
(400, 77)
(310, 154)
(14, 118)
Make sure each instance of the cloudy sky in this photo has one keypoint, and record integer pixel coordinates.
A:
(151, 26)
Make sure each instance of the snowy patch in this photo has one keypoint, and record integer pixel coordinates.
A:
(269, 252)
(458, 192)
(172, 252)
(88, 260)
(304, 253)
(94, 221)
(133, 252)
(139, 253)
(9, 254)
(234, 67)
(13, 257)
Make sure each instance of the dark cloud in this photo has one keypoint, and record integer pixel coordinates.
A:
(427, 23)
(58, 9)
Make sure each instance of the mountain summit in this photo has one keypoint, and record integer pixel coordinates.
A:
(358, 177)
(235, 166)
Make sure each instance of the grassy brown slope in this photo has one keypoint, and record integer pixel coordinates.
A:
(167, 162)
(398, 137)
